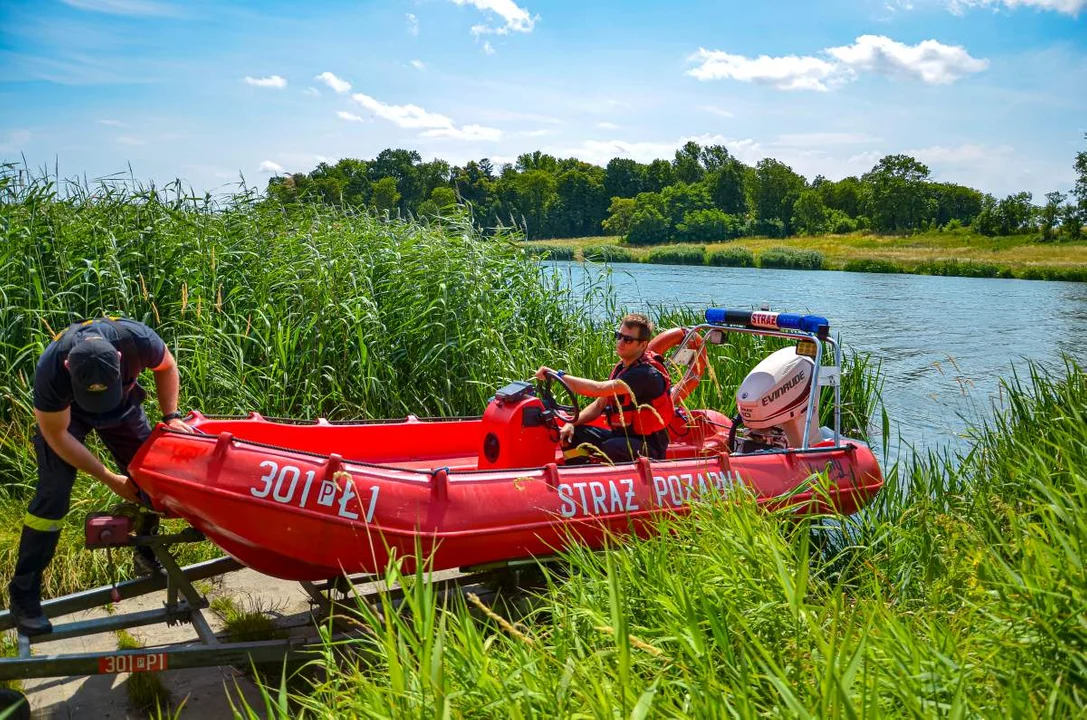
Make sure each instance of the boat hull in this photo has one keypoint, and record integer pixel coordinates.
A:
(309, 514)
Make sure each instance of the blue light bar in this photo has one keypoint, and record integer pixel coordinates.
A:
(769, 320)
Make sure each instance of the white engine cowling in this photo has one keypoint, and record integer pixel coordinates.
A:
(775, 394)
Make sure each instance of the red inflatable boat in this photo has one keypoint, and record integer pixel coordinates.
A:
(310, 501)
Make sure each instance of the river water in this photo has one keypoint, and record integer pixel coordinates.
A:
(944, 342)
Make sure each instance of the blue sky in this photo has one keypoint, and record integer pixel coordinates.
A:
(989, 93)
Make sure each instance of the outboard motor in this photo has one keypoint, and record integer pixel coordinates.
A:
(773, 401)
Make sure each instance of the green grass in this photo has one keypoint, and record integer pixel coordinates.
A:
(676, 255)
(868, 265)
(791, 259)
(959, 593)
(731, 257)
(246, 622)
(607, 253)
(313, 312)
(145, 690)
(1020, 256)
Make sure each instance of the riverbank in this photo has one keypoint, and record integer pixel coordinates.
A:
(954, 253)
(958, 593)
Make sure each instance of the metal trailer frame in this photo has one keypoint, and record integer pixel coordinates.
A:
(184, 604)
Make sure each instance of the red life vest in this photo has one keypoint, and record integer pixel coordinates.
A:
(650, 417)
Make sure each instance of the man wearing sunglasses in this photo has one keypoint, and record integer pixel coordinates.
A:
(635, 400)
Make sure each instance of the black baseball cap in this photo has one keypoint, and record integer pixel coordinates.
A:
(95, 367)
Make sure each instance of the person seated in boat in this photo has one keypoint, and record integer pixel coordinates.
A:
(636, 401)
(87, 380)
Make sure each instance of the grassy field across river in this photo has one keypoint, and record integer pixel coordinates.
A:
(956, 252)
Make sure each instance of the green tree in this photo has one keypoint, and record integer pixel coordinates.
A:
(659, 175)
(897, 198)
(401, 166)
(648, 226)
(725, 181)
(537, 161)
(846, 195)
(687, 164)
(953, 202)
(1080, 189)
(580, 203)
(1015, 214)
(777, 188)
(1049, 216)
(385, 195)
(620, 215)
(624, 178)
(809, 213)
(534, 196)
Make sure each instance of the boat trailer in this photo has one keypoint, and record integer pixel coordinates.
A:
(184, 604)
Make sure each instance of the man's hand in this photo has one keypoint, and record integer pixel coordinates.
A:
(541, 374)
(179, 425)
(123, 486)
(566, 433)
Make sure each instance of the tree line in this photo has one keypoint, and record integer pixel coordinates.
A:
(704, 194)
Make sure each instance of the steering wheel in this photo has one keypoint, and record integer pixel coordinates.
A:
(566, 413)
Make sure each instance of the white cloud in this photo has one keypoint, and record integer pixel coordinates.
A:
(1068, 7)
(488, 48)
(406, 116)
(312, 92)
(340, 86)
(536, 133)
(784, 73)
(413, 24)
(344, 115)
(434, 125)
(126, 7)
(418, 64)
(517, 19)
(111, 123)
(998, 169)
(468, 132)
(607, 126)
(272, 81)
(270, 167)
(131, 140)
(929, 61)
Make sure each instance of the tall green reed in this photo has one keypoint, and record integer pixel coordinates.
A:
(961, 594)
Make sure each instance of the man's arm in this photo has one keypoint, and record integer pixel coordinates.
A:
(587, 387)
(591, 411)
(167, 387)
(54, 430)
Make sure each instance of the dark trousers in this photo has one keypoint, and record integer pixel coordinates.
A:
(615, 445)
(52, 498)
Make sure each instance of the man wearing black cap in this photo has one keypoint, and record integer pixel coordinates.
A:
(87, 380)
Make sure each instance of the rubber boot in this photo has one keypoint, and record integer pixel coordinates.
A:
(36, 550)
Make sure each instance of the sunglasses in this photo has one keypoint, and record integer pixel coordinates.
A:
(627, 338)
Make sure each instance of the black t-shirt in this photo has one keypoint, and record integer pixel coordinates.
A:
(645, 382)
(53, 385)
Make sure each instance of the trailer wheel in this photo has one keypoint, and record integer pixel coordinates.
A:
(13, 705)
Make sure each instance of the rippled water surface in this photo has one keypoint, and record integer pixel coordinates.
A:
(944, 342)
